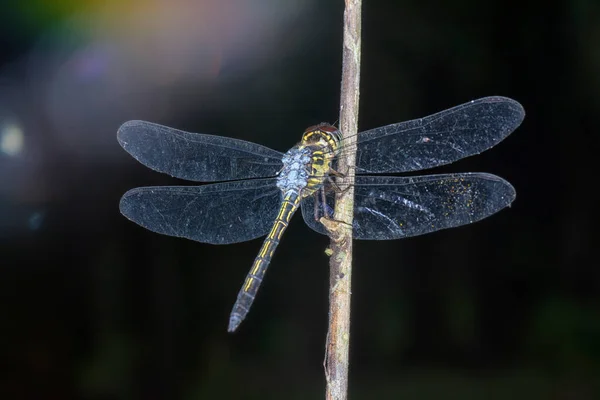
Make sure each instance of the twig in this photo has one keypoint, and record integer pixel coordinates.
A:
(338, 337)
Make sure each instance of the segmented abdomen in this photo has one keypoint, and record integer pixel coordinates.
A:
(255, 276)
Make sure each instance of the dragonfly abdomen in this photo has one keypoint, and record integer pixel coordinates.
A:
(254, 278)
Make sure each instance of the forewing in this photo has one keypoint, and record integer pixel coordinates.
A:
(219, 213)
(438, 139)
(197, 157)
(396, 207)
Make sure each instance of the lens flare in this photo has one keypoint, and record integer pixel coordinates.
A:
(11, 139)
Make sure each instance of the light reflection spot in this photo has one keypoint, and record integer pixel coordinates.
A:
(11, 139)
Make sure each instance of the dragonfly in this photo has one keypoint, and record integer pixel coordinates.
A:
(258, 189)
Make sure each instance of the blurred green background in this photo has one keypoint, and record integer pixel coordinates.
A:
(95, 307)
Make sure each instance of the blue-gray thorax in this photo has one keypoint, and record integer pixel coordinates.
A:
(295, 172)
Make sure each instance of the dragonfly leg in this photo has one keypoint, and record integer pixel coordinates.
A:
(332, 225)
(340, 174)
(327, 211)
(316, 210)
(337, 187)
(324, 202)
(336, 173)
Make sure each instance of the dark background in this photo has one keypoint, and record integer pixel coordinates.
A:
(95, 307)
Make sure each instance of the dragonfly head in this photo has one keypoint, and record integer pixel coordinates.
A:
(322, 135)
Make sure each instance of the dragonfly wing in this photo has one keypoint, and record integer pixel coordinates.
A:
(197, 157)
(438, 139)
(388, 207)
(221, 213)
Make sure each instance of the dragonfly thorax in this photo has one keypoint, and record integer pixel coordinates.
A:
(306, 165)
(296, 170)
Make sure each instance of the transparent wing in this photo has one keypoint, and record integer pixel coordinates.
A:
(438, 139)
(197, 157)
(220, 213)
(388, 207)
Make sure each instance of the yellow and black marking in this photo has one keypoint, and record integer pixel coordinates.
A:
(324, 140)
(254, 278)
